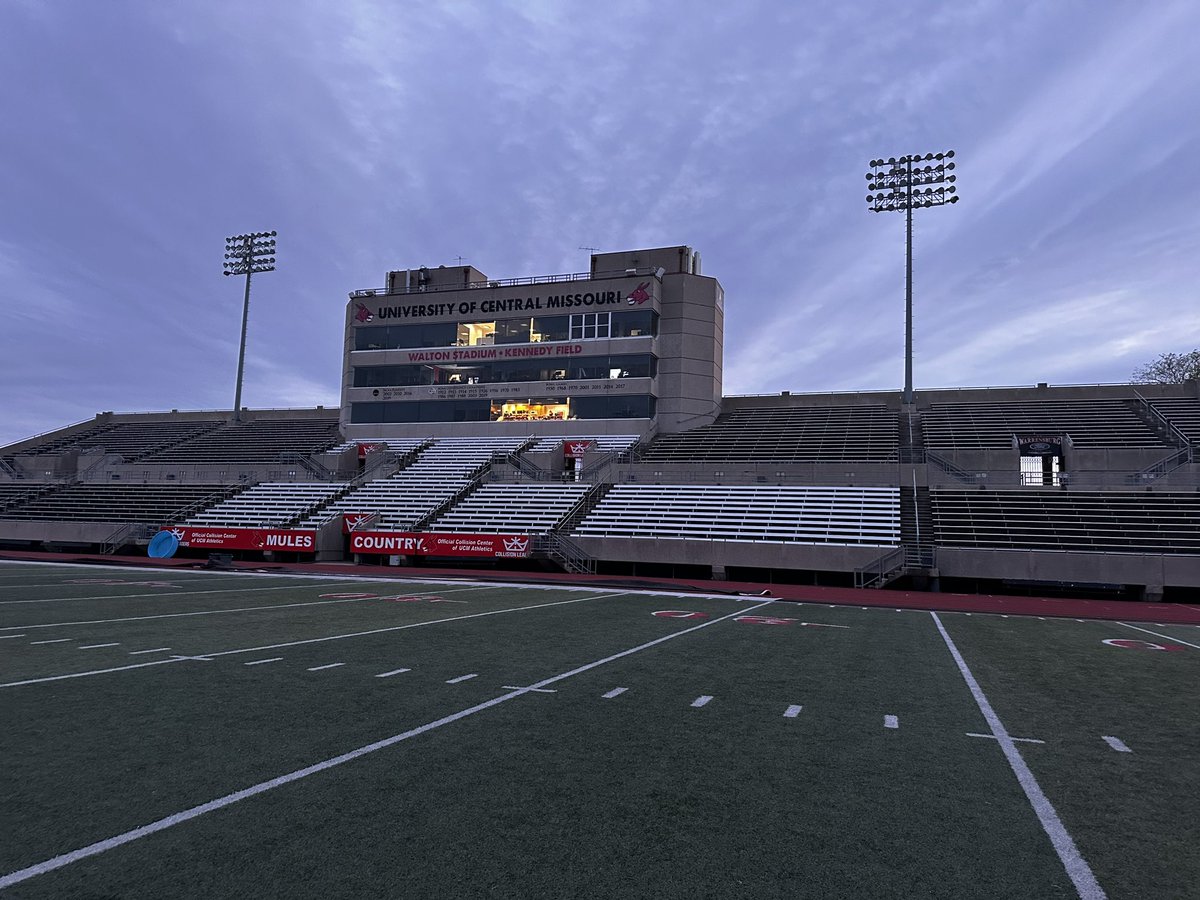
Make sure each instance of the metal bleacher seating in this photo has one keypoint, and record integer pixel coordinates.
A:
(131, 440)
(150, 503)
(267, 504)
(1090, 422)
(398, 446)
(1108, 521)
(600, 443)
(498, 508)
(811, 515)
(1183, 413)
(817, 434)
(262, 441)
(439, 472)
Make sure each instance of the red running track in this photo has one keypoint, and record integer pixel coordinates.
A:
(1057, 607)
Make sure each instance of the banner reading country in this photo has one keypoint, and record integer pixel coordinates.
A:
(298, 540)
(409, 543)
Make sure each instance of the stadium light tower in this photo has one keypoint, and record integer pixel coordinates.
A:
(246, 254)
(905, 183)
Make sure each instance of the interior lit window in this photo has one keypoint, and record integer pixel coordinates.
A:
(529, 410)
(473, 333)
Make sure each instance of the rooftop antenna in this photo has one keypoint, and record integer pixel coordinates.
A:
(591, 249)
(459, 259)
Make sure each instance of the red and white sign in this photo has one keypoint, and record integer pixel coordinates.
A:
(299, 540)
(576, 449)
(365, 447)
(350, 521)
(411, 543)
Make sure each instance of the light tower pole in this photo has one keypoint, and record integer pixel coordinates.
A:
(246, 254)
(903, 184)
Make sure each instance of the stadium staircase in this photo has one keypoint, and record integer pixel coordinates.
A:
(917, 553)
(564, 551)
(1188, 414)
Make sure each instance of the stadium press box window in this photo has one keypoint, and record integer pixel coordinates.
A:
(637, 406)
(642, 365)
(524, 330)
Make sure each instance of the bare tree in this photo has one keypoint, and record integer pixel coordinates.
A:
(1169, 368)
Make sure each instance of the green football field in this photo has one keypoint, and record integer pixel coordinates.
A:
(211, 735)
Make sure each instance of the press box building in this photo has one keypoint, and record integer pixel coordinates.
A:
(631, 347)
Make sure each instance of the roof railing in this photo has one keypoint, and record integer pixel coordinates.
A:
(632, 272)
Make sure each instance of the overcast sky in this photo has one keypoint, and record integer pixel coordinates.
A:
(379, 135)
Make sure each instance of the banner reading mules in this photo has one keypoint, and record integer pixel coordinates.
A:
(411, 543)
(300, 540)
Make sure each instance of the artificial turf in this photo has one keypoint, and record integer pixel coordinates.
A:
(568, 793)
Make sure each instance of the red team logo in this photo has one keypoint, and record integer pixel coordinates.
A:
(638, 295)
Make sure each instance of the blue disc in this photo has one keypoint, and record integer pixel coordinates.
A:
(163, 545)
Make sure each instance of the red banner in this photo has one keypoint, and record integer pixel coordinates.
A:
(365, 447)
(410, 543)
(576, 449)
(350, 521)
(217, 538)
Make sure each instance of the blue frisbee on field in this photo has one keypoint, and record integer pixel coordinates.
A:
(163, 545)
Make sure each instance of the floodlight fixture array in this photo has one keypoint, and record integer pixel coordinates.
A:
(906, 183)
(247, 254)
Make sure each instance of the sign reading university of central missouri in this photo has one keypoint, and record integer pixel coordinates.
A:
(583, 299)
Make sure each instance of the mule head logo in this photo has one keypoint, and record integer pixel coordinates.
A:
(362, 314)
(638, 295)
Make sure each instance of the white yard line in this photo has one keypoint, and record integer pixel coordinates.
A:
(391, 673)
(157, 662)
(5, 637)
(992, 737)
(1077, 867)
(335, 637)
(615, 692)
(240, 590)
(97, 646)
(702, 700)
(55, 641)
(259, 662)
(327, 666)
(462, 678)
(203, 612)
(338, 637)
(155, 650)
(1117, 744)
(891, 722)
(792, 711)
(1165, 637)
(186, 815)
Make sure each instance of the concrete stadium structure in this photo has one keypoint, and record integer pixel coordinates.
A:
(585, 413)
